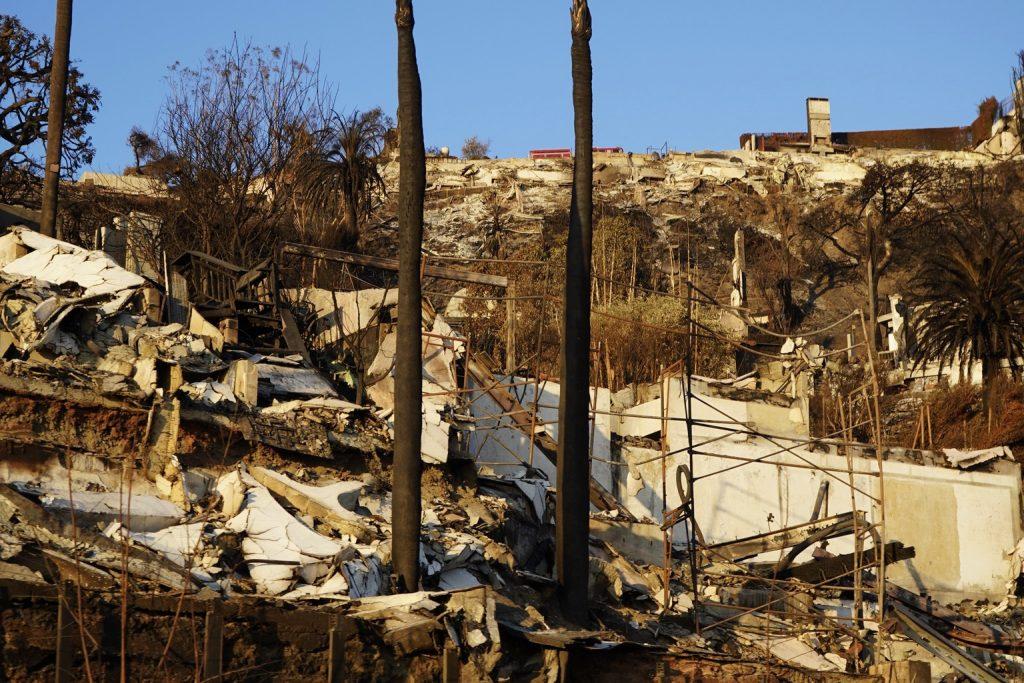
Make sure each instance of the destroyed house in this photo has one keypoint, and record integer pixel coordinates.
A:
(948, 138)
(215, 445)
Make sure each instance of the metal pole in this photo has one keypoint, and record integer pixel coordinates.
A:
(858, 592)
(55, 116)
(536, 363)
(667, 534)
(876, 414)
(691, 540)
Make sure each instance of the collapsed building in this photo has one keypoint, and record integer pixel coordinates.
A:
(190, 485)
(821, 138)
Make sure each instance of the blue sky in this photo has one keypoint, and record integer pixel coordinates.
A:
(694, 75)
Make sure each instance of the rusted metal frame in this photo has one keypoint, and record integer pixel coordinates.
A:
(751, 610)
(761, 459)
(789, 582)
(771, 440)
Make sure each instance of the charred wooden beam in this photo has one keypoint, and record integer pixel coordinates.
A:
(828, 569)
(742, 548)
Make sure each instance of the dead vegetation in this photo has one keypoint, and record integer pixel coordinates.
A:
(955, 417)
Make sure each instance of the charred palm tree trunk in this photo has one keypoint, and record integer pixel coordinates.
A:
(989, 377)
(55, 116)
(350, 233)
(572, 504)
(408, 364)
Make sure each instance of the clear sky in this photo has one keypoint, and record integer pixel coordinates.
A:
(692, 74)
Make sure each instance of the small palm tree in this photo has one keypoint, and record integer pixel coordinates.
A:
(969, 300)
(341, 167)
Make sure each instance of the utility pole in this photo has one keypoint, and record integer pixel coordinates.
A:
(572, 507)
(55, 116)
(412, 181)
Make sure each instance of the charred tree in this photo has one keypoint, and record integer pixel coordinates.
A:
(408, 364)
(55, 116)
(573, 478)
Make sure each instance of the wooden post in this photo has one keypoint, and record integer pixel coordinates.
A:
(337, 667)
(213, 644)
(563, 666)
(407, 469)
(510, 330)
(451, 667)
(572, 509)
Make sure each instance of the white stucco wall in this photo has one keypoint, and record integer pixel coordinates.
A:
(961, 523)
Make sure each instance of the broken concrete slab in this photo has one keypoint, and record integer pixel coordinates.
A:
(332, 504)
(92, 509)
(279, 549)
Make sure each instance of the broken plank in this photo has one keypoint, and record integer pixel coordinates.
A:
(954, 625)
(442, 272)
(79, 572)
(292, 336)
(600, 497)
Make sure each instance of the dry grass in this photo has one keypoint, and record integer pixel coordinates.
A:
(634, 332)
(643, 335)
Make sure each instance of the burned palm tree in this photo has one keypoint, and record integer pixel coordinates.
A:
(969, 291)
(55, 116)
(341, 167)
(572, 511)
(412, 182)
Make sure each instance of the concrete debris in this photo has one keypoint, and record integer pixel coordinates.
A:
(967, 459)
(279, 548)
(59, 263)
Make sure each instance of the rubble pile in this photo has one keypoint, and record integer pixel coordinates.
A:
(463, 196)
(176, 447)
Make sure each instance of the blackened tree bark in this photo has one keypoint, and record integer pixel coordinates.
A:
(408, 365)
(572, 511)
(55, 116)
